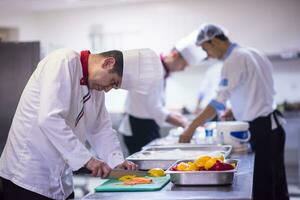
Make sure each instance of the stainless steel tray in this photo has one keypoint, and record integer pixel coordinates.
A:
(167, 141)
(202, 177)
(163, 157)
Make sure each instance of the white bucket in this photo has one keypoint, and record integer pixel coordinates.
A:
(234, 133)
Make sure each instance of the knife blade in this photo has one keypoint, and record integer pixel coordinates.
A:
(117, 173)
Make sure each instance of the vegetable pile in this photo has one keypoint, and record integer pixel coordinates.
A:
(204, 163)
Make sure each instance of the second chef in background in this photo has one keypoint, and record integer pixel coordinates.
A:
(145, 114)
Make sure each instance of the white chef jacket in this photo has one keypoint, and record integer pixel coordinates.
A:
(146, 106)
(246, 80)
(209, 84)
(54, 117)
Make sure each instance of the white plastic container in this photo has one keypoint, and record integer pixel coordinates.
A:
(234, 133)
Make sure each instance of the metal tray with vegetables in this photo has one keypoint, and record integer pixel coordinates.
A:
(163, 157)
(205, 170)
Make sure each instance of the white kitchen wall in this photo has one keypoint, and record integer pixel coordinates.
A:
(24, 22)
(271, 26)
(287, 80)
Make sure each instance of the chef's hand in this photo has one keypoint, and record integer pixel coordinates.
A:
(186, 135)
(98, 168)
(127, 165)
(227, 115)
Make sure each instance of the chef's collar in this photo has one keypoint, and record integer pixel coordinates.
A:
(167, 71)
(229, 50)
(84, 58)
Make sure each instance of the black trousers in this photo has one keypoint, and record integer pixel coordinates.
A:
(269, 181)
(13, 192)
(143, 132)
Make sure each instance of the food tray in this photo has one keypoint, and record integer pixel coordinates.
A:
(163, 157)
(168, 141)
(202, 177)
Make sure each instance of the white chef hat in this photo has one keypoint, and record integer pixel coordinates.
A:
(208, 32)
(141, 70)
(187, 48)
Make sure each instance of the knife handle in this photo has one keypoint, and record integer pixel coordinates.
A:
(83, 170)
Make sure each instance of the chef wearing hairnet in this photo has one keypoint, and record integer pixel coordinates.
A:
(208, 86)
(247, 82)
(145, 114)
(61, 107)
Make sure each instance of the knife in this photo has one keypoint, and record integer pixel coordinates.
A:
(116, 173)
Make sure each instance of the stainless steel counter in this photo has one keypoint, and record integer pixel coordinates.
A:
(241, 189)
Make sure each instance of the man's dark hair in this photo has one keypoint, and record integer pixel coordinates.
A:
(222, 37)
(118, 56)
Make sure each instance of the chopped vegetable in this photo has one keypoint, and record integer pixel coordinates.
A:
(137, 180)
(126, 177)
(156, 172)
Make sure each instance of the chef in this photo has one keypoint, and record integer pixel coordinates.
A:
(61, 107)
(208, 86)
(247, 82)
(145, 114)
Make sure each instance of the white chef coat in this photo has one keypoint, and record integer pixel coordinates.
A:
(246, 80)
(209, 84)
(54, 117)
(146, 106)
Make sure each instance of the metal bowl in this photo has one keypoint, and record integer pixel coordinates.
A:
(202, 177)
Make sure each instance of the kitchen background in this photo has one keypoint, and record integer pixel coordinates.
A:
(272, 26)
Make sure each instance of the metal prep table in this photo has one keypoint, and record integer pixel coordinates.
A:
(241, 189)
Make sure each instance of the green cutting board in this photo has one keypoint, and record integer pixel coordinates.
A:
(114, 185)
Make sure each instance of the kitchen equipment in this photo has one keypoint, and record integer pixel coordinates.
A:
(163, 157)
(114, 185)
(202, 177)
(115, 173)
(234, 133)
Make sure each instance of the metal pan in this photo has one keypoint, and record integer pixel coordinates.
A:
(202, 177)
(163, 157)
(168, 141)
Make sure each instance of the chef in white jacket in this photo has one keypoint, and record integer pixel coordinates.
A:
(208, 86)
(247, 82)
(145, 114)
(61, 107)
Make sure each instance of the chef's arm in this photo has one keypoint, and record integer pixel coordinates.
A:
(158, 111)
(207, 114)
(229, 81)
(103, 138)
(107, 147)
(55, 97)
(155, 106)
